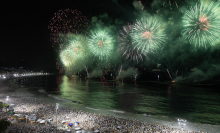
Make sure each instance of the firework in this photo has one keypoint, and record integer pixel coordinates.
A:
(148, 34)
(77, 47)
(101, 44)
(125, 45)
(201, 23)
(64, 24)
(66, 57)
(73, 52)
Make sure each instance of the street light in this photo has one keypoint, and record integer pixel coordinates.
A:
(182, 123)
(7, 99)
(57, 105)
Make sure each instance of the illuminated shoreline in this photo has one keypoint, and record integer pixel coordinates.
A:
(93, 125)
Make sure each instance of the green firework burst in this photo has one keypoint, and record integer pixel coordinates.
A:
(201, 23)
(101, 44)
(66, 58)
(74, 51)
(148, 34)
(77, 47)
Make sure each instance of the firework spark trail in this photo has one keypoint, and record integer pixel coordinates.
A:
(169, 73)
(148, 34)
(201, 23)
(87, 71)
(120, 70)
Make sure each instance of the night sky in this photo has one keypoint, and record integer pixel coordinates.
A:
(24, 27)
(25, 36)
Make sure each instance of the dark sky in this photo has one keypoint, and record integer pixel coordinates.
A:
(24, 26)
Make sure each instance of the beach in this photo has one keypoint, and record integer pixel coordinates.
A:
(81, 121)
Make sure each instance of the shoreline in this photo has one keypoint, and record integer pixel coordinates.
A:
(87, 121)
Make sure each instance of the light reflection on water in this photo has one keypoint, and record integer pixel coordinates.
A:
(198, 104)
(162, 101)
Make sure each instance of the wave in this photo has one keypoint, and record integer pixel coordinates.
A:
(117, 111)
(42, 91)
(91, 108)
(58, 98)
(146, 115)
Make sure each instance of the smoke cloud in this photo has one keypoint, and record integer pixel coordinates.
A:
(199, 75)
(129, 73)
(96, 74)
(138, 5)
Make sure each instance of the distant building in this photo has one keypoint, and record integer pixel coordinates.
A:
(20, 70)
